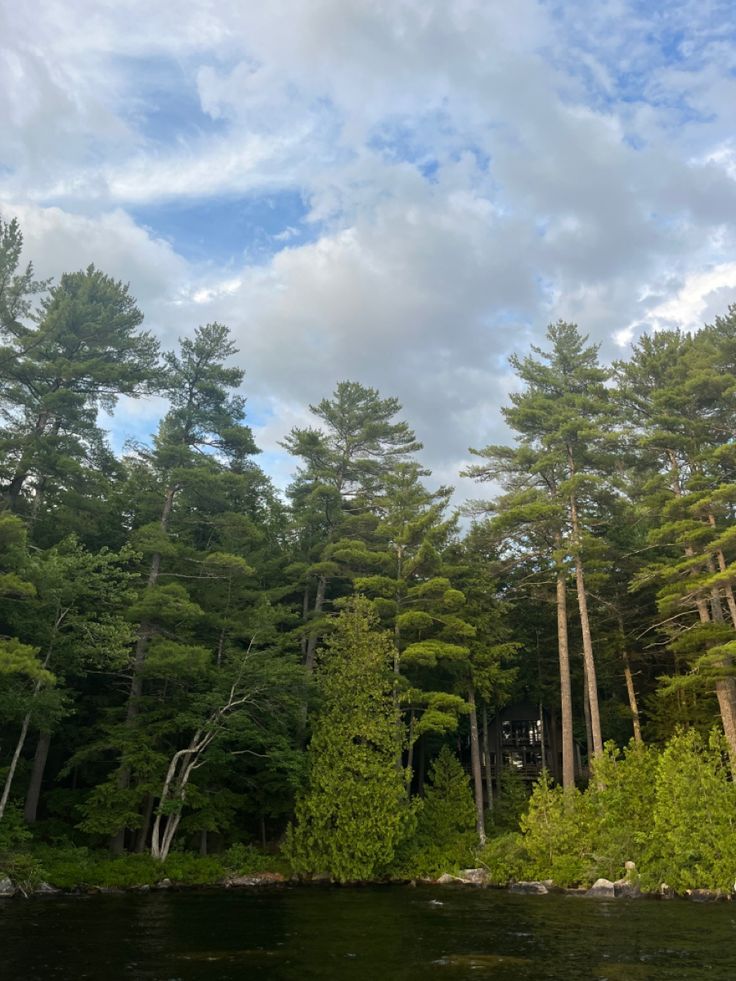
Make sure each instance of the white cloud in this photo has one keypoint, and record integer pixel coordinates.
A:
(471, 171)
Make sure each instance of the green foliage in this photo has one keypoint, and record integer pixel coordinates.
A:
(694, 833)
(557, 835)
(354, 812)
(505, 858)
(511, 801)
(445, 838)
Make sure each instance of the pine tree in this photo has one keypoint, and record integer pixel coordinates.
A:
(345, 464)
(84, 352)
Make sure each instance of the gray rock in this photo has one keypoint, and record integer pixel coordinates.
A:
(665, 891)
(45, 889)
(165, 884)
(529, 888)
(478, 877)
(627, 888)
(7, 888)
(630, 867)
(321, 877)
(257, 879)
(602, 889)
(705, 895)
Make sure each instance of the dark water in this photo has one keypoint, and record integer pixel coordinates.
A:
(371, 934)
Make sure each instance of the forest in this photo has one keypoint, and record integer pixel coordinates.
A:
(199, 673)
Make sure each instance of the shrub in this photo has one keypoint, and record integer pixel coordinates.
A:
(445, 835)
(694, 838)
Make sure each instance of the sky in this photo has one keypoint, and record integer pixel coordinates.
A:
(398, 192)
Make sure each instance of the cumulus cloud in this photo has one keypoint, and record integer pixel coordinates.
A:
(469, 173)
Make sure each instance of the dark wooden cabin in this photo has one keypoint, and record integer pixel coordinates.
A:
(525, 739)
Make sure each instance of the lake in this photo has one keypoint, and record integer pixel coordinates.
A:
(362, 934)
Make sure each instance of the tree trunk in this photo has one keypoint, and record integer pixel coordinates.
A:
(14, 764)
(568, 744)
(319, 601)
(633, 704)
(142, 836)
(421, 766)
(592, 684)
(487, 754)
(33, 795)
(203, 842)
(586, 714)
(480, 823)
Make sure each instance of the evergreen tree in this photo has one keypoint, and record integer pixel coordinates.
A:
(354, 811)
(85, 351)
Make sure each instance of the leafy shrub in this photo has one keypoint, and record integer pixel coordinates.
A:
(511, 802)
(14, 833)
(557, 835)
(505, 858)
(445, 835)
(23, 869)
(694, 837)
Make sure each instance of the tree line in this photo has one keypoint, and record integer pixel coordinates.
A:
(189, 658)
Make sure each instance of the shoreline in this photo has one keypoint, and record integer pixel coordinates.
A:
(276, 880)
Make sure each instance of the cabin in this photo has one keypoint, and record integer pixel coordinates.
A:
(525, 738)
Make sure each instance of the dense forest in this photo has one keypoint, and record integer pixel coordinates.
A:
(192, 662)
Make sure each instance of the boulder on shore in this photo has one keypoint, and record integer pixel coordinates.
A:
(7, 888)
(256, 879)
(627, 888)
(602, 889)
(529, 888)
(705, 895)
(478, 877)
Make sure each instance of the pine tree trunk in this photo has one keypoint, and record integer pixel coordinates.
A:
(568, 744)
(487, 754)
(142, 836)
(633, 704)
(480, 823)
(10, 776)
(590, 674)
(33, 794)
(586, 714)
(314, 634)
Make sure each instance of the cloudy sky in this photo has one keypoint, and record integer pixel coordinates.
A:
(401, 192)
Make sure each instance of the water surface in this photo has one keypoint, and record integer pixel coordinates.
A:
(366, 934)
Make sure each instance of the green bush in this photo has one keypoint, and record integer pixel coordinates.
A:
(511, 802)
(557, 835)
(24, 870)
(445, 837)
(505, 858)
(694, 837)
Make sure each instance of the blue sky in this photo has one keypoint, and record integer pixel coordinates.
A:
(398, 191)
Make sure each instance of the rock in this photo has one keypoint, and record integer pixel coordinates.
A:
(45, 889)
(630, 867)
(665, 891)
(705, 895)
(529, 888)
(478, 877)
(7, 888)
(165, 884)
(321, 877)
(627, 888)
(144, 888)
(447, 880)
(602, 889)
(257, 879)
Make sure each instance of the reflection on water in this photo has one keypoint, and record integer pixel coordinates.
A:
(362, 935)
